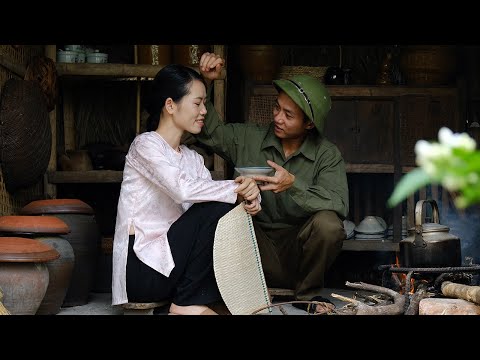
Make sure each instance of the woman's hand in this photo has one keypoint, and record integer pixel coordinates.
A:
(252, 207)
(211, 66)
(248, 189)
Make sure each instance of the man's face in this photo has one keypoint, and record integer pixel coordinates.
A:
(289, 119)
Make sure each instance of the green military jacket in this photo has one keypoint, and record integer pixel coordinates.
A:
(319, 169)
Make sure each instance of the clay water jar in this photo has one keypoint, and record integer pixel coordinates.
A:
(84, 236)
(48, 230)
(24, 275)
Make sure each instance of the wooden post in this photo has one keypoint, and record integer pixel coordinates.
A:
(50, 190)
(397, 167)
(219, 87)
(139, 88)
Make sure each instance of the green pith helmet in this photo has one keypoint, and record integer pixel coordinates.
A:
(310, 94)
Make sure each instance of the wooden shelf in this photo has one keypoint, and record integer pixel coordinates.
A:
(110, 70)
(370, 245)
(374, 168)
(97, 176)
(368, 91)
(79, 177)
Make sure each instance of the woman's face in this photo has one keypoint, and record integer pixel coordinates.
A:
(191, 109)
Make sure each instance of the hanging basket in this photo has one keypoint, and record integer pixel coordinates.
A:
(25, 134)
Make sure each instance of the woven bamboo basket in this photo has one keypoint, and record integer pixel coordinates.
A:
(314, 71)
(261, 109)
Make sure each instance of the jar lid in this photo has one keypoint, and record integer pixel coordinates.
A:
(56, 206)
(33, 225)
(431, 227)
(17, 249)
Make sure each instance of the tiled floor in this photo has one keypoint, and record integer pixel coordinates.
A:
(100, 304)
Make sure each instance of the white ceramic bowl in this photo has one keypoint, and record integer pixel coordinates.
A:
(66, 56)
(97, 58)
(255, 170)
(370, 225)
(349, 227)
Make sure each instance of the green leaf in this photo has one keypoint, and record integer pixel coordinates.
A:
(407, 185)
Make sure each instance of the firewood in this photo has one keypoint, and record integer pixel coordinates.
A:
(420, 294)
(396, 308)
(460, 291)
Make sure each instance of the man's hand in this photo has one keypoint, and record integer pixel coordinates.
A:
(281, 181)
(211, 66)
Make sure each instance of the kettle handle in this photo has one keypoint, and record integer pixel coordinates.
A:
(418, 241)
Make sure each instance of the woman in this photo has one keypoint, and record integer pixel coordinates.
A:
(169, 206)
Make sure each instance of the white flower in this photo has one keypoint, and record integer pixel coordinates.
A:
(456, 140)
(452, 182)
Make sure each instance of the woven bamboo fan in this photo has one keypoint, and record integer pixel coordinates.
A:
(237, 264)
(25, 134)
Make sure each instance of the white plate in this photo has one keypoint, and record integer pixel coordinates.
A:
(255, 170)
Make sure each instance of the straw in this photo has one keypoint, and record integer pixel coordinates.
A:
(3, 309)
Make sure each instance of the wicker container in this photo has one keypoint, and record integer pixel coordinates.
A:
(260, 111)
(317, 72)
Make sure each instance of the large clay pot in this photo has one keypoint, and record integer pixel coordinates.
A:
(48, 230)
(259, 63)
(84, 237)
(24, 276)
(428, 65)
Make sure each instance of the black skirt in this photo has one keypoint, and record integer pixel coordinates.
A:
(192, 280)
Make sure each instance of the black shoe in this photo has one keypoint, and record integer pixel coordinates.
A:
(311, 308)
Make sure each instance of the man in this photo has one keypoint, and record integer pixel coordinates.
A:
(300, 230)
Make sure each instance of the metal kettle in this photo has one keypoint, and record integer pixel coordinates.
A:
(429, 244)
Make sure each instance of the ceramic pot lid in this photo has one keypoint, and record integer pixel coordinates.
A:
(56, 206)
(33, 225)
(17, 249)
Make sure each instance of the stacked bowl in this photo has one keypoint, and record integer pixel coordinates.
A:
(371, 228)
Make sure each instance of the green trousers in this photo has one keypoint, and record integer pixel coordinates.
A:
(297, 258)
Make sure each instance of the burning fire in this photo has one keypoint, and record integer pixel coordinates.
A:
(402, 278)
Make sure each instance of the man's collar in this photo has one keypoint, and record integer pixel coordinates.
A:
(308, 147)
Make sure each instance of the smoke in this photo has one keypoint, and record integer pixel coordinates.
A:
(466, 225)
